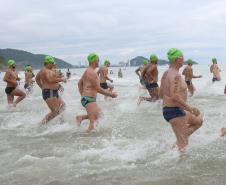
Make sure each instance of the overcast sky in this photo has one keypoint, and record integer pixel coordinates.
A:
(115, 29)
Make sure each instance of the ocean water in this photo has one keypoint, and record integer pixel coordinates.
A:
(131, 146)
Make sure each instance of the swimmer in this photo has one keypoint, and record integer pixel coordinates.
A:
(68, 74)
(103, 74)
(120, 73)
(89, 86)
(49, 81)
(188, 73)
(28, 79)
(150, 74)
(184, 119)
(12, 89)
(215, 70)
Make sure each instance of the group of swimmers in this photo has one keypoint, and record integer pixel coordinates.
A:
(184, 119)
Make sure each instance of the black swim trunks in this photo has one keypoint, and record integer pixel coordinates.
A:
(49, 93)
(26, 86)
(172, 112)
(151, 86)
(189, 82)
(215, 79)
(104, 85)
(9, 90)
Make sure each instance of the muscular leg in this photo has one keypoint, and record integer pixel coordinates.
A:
(10, 99)
(21, 95)
(80, 118)
(185, 126)
(154, 93)
(194, 122)
(56, 105)
(94, 113)
(180, 128)
(191, 89)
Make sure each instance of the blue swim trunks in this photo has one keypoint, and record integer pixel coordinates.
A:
(172, 112)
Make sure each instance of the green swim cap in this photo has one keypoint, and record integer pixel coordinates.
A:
(49, 60)
(154, 58)
(92, 57)
(174, 53)
(214, 60)
(145, 62)
(11, 62)
(190, 61)
(106, 62)
(27, 68)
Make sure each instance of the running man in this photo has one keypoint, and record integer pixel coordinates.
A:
(150, 74)
(28, 79)
(89, 86)
(215, 70)
(11, 90)
(183, 118)
(188, 74)
(49, 81)
(103, 73)
(139, 71)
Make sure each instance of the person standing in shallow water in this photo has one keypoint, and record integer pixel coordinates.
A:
(11, 90)
(48, 81)
(184, 119)
(188, 74)
(215, 70)
(89, 86)
(120, 73)
(150, 74)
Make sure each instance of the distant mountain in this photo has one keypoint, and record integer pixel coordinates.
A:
(137, 61)
(23, 57)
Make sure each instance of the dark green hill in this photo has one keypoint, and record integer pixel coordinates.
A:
(23, 57)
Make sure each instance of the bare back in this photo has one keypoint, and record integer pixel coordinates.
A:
(188, 73)
(215, 70)
(103, 72)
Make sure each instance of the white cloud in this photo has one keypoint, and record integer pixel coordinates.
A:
(115, 29)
